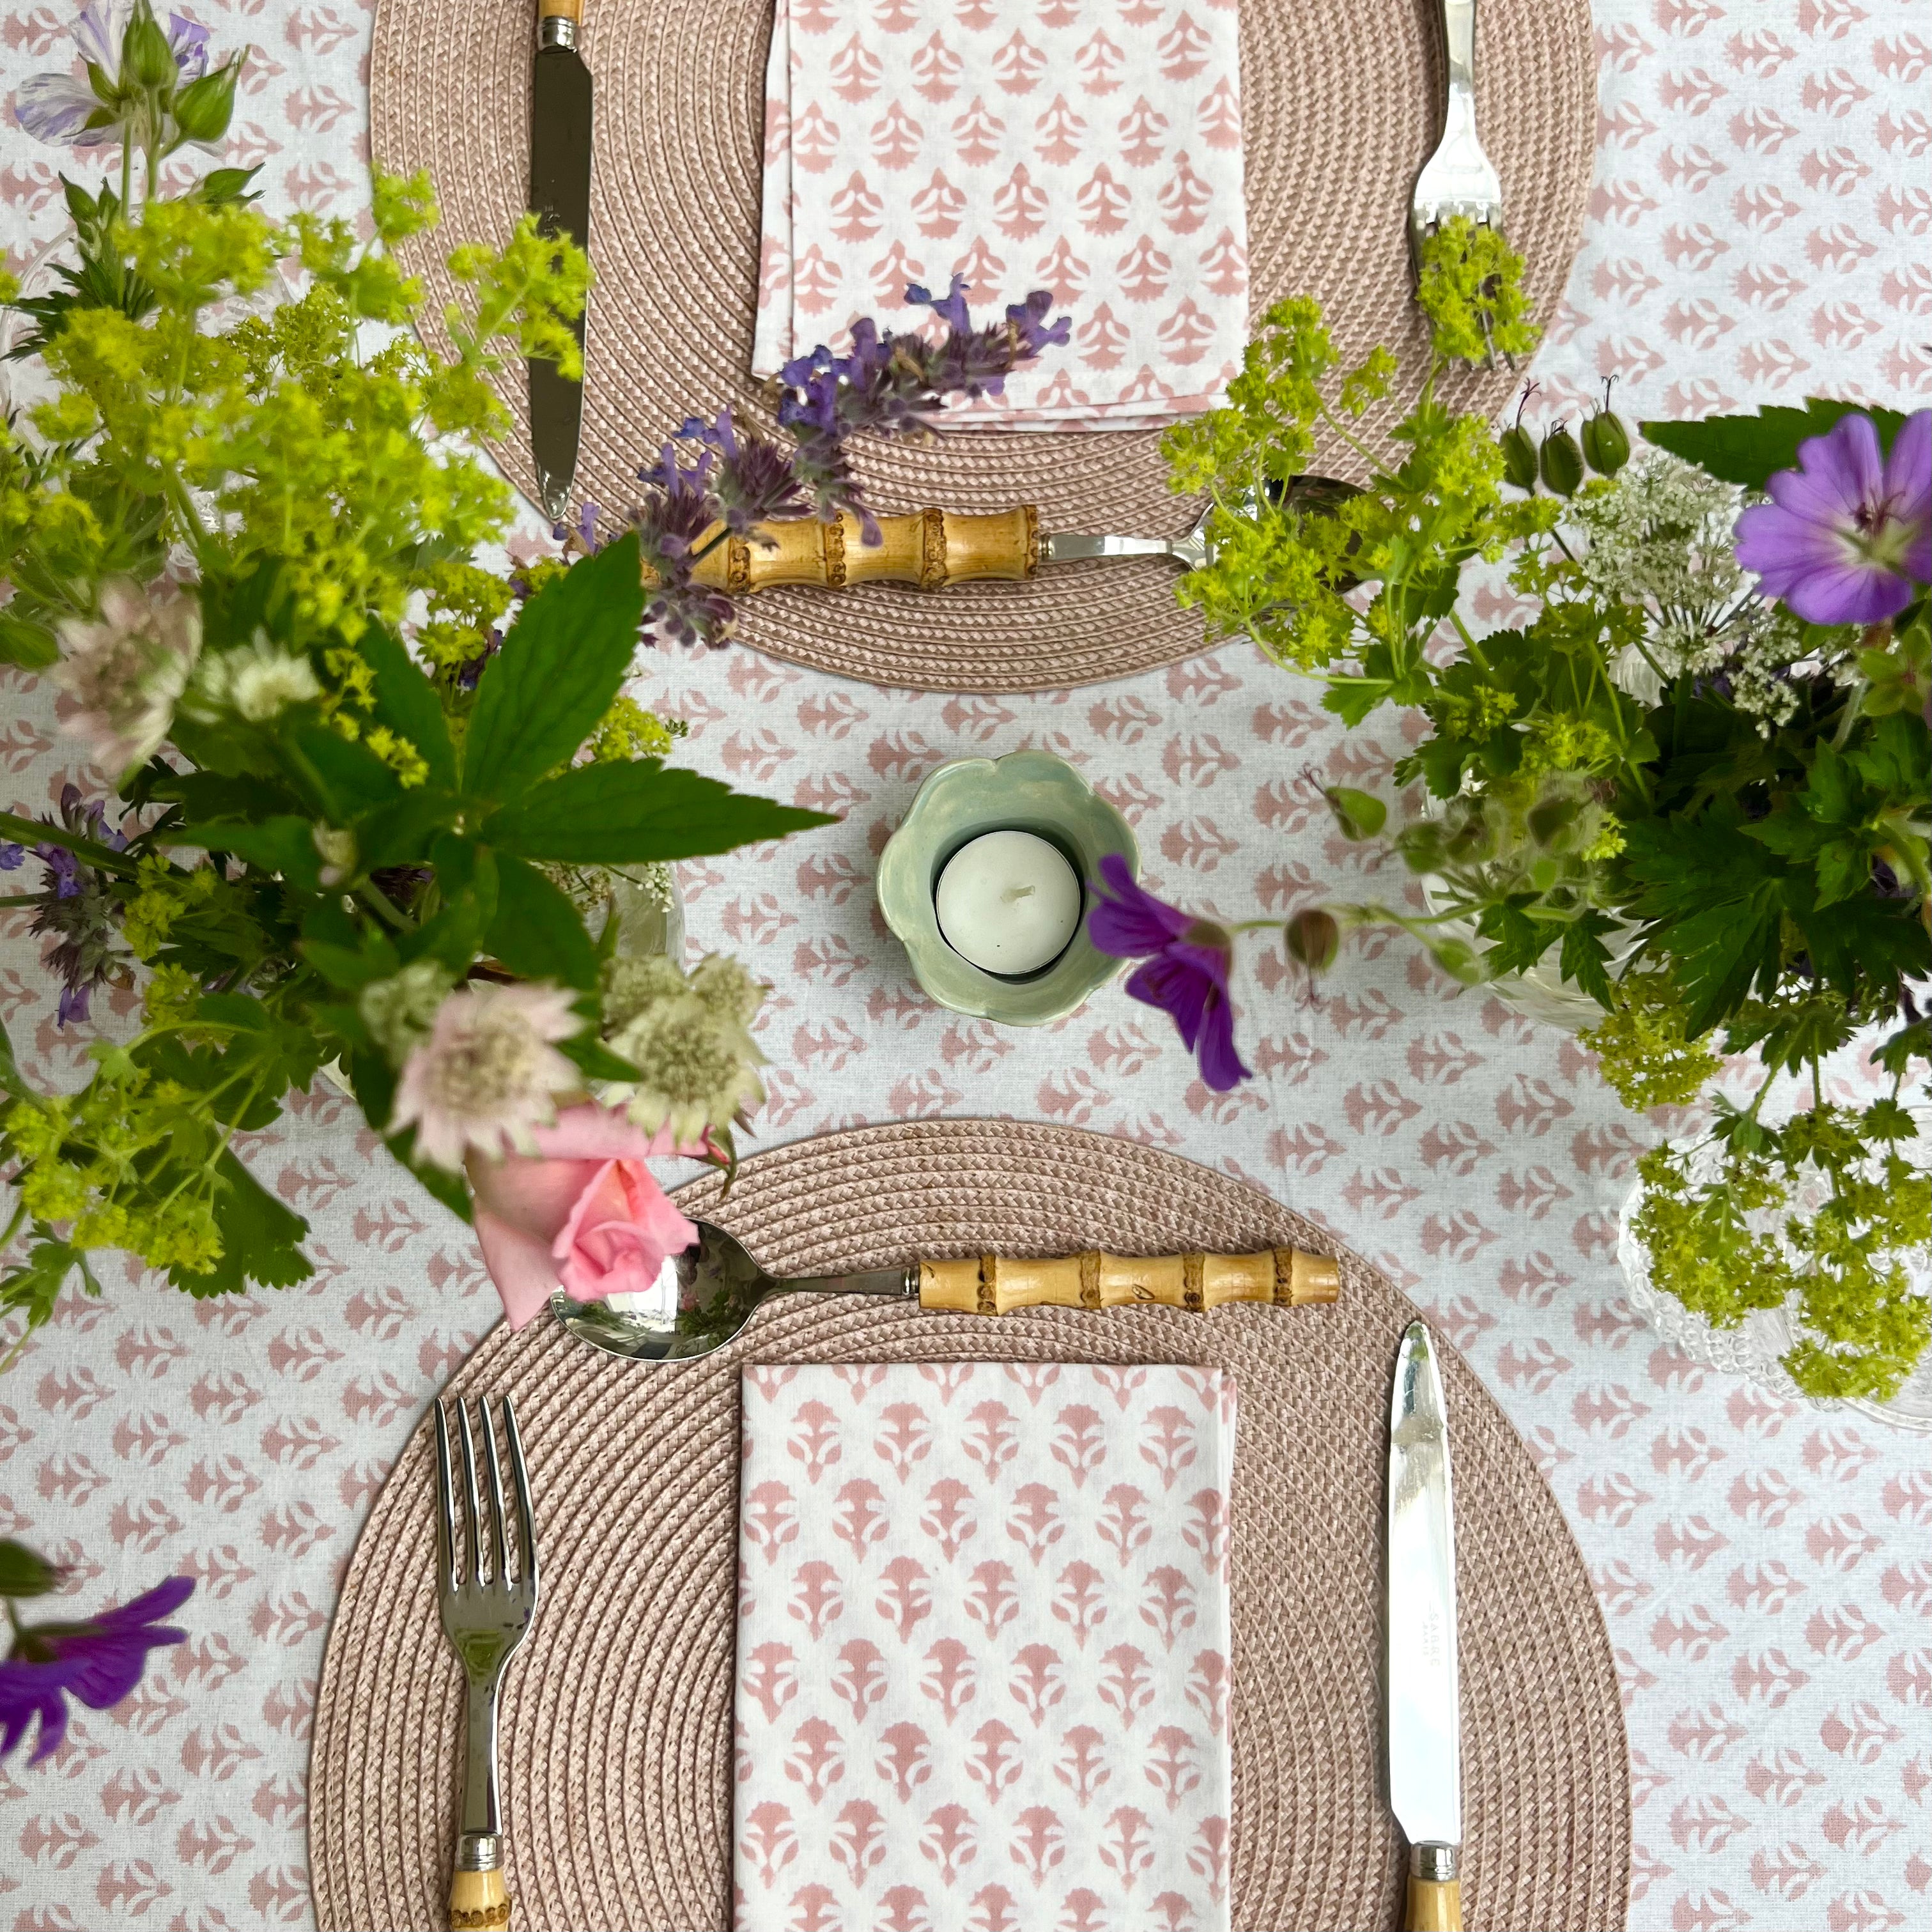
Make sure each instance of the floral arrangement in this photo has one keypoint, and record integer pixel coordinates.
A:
(374, 807)
(97, 1660)
(1695, 779)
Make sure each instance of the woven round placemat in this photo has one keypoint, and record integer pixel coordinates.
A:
(1342, 103)
(616, 1714)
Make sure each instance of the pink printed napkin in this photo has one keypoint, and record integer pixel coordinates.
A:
(1090, 147)
(983, 1668)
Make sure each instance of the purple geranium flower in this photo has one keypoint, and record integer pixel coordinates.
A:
(57, 107)
(1847, 535)
(1187, 971)
(99, 1662)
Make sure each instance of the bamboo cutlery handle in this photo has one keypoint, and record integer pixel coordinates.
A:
(479, 1901)
(1435, 1905)
(930, 548)
(992, 1284)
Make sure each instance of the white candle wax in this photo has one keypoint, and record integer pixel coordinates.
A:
(1010, 902)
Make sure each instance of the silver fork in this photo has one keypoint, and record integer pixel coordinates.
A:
(1458, 178)
(484, 1618)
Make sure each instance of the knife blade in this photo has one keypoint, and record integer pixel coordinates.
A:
(1425, 1723)
(560, 105)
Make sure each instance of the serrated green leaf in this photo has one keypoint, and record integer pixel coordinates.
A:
(1749, 449)
(342, 779)
(404, 831)
(616, 814)
(261, 1239)
(284, 844)
(563, 661)
(537, 933)
(1585, 960)
(12, 1081)
(406, 702)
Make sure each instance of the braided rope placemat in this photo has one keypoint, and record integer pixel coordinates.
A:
(616, 1714)
(1342, 103)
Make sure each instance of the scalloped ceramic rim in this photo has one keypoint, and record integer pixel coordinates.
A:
(1024, 791)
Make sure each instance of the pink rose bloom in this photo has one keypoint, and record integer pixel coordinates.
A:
(584, 1213)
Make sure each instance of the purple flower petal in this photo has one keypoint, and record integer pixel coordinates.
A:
(28, 1691)
(1133, 922)
(1221, 1063)
(55, 108)
(1908, 484)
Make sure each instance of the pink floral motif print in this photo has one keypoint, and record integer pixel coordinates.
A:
(984, 1687)
(1022, 146)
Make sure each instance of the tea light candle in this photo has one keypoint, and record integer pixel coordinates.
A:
(1010, 902)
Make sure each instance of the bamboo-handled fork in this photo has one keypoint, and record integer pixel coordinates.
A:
(1458, 178)
(484, 1618)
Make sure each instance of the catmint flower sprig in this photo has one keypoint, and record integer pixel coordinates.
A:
(718, 477)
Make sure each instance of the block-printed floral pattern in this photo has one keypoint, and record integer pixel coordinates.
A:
(1094, 150)
(982, 1666)
(1764, 1568)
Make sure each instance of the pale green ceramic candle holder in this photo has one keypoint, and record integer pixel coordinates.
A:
(1025, 791)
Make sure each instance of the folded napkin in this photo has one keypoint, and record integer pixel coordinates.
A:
(982, 1666)
(1090, 147)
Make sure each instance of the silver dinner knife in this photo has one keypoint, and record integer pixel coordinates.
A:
(560, 100)
(1425, 1719)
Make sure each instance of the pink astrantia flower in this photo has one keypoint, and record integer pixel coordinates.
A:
(1846, 538)
(126, 669)
(584, 1214)
(57, 107)
(486, 1077)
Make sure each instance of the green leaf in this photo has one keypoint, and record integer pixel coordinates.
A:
(565, 658)
(31, 646)
(406, 702)
(373, 1081)
(343, 779)
(587, 1051)
(1585, 960)
(33, 1287)
(616, 814)
(25, 1572)
(341, 966)
(1748, 450)
(404, 831)
(537, 933)
(1352, 699)
(225, 797)
(12, 1081)
(1441, 761)
(261, 1239)
(284, 844)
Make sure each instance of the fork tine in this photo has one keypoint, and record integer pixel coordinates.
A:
(499, 1550)
(527, 1529)
(475, 1570)
(445, 1499)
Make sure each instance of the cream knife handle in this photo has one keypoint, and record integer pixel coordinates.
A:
(931, 548)
(1435, 1889)
(995, 1284)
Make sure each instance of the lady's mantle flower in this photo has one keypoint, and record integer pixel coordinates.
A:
(58, 107)
(128, 668)
(484, 1076)
(1187, 971)
(1847, 535)
(98, 1661)
(697, 1062)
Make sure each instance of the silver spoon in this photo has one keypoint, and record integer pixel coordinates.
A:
(702, 1297)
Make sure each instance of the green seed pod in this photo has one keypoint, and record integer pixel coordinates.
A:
(1360, 815)
(1606, 443)
(147, 61)
(204, 108)
(1518, 458)
(1562, 463)
(1552, 818)
(1313, 938)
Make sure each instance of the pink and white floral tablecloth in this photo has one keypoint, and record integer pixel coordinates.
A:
(1761, 224)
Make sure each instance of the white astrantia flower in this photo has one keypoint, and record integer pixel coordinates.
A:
(257, 683)
(697, 1068)
(400, 1009)
(126, 669)
(486, 1075)
(723, 985)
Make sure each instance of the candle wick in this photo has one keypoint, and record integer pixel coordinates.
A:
(1018, 892)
